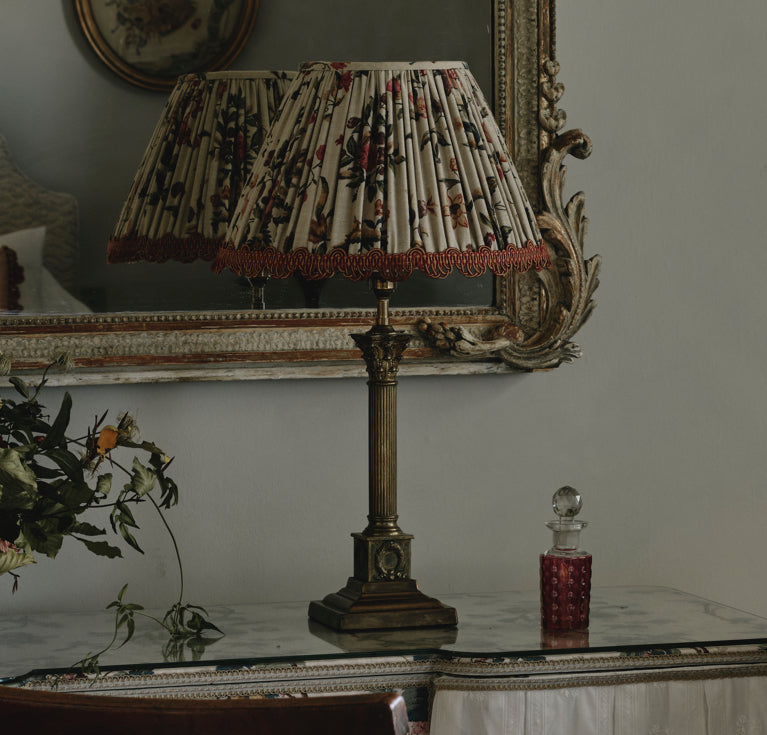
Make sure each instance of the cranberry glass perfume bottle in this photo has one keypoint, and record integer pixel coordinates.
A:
(566, 568)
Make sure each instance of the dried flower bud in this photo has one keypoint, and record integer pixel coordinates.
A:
(127, 426)
(62, 362)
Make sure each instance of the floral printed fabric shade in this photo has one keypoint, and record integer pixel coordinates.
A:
(193, 170)
(380, 169)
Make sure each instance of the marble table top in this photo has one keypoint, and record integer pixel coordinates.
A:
(503, 624)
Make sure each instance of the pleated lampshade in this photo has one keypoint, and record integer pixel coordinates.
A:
(383, 168)
(192, 172)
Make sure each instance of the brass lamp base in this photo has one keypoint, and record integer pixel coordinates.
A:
(381, 594)
(381, 605)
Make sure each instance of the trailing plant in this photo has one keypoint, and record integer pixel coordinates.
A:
(52, 485)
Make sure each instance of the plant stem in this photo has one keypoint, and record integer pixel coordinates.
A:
(178, 559)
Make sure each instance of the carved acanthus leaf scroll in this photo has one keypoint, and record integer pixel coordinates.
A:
(552, 305)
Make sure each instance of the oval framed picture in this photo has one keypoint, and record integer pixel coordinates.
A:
(150, 43)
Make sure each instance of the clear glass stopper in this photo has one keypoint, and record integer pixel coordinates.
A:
(567, 502)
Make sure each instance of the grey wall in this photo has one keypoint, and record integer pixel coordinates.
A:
(661, 424)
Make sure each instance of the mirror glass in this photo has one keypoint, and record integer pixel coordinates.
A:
(106, 124)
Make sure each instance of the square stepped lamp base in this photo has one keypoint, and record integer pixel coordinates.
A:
(381, 605)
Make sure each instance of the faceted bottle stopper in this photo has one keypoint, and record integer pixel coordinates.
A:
(567, 502)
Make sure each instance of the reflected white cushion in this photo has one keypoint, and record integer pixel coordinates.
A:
(40, 292)
(56, 299)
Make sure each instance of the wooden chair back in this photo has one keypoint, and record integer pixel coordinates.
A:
(63, 713)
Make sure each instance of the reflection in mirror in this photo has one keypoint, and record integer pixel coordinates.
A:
(83, 130)
(120, 123)
(177, 287)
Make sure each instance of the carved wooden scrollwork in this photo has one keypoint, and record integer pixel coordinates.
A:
(551, 306)
(563, 295)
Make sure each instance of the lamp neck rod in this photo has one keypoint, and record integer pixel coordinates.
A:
(383, 290)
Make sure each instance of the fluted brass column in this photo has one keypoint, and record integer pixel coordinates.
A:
(381, 593)
(382, 350)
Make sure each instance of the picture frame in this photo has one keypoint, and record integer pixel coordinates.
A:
(151, 44)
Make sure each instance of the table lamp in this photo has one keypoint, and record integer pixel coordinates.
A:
(193, 170)
(373, 170)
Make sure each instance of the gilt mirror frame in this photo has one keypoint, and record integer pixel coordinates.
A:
(530, 325)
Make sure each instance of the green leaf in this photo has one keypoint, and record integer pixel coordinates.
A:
(123, 514)
(10, 560)
(129, 538)
(119, 598)
(122, 519)
(176, 618)
(194, 607)
(75, 494)
(18, 486)
(19, 385)
(130, 624)
(87, 529)
(101, 548)
(22, 438)
(104, 484)
(169, 489)
(132, 607)
(142, 479)
(198, 623)
(43, 537)
(53, 514)
(159, 460)
(68, 462)
(44, 473)
(146, 446)
(56, 434)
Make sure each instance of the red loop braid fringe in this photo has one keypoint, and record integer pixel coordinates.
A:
(390, 266)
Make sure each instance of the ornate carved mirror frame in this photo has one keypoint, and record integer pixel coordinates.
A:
(529, 327)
